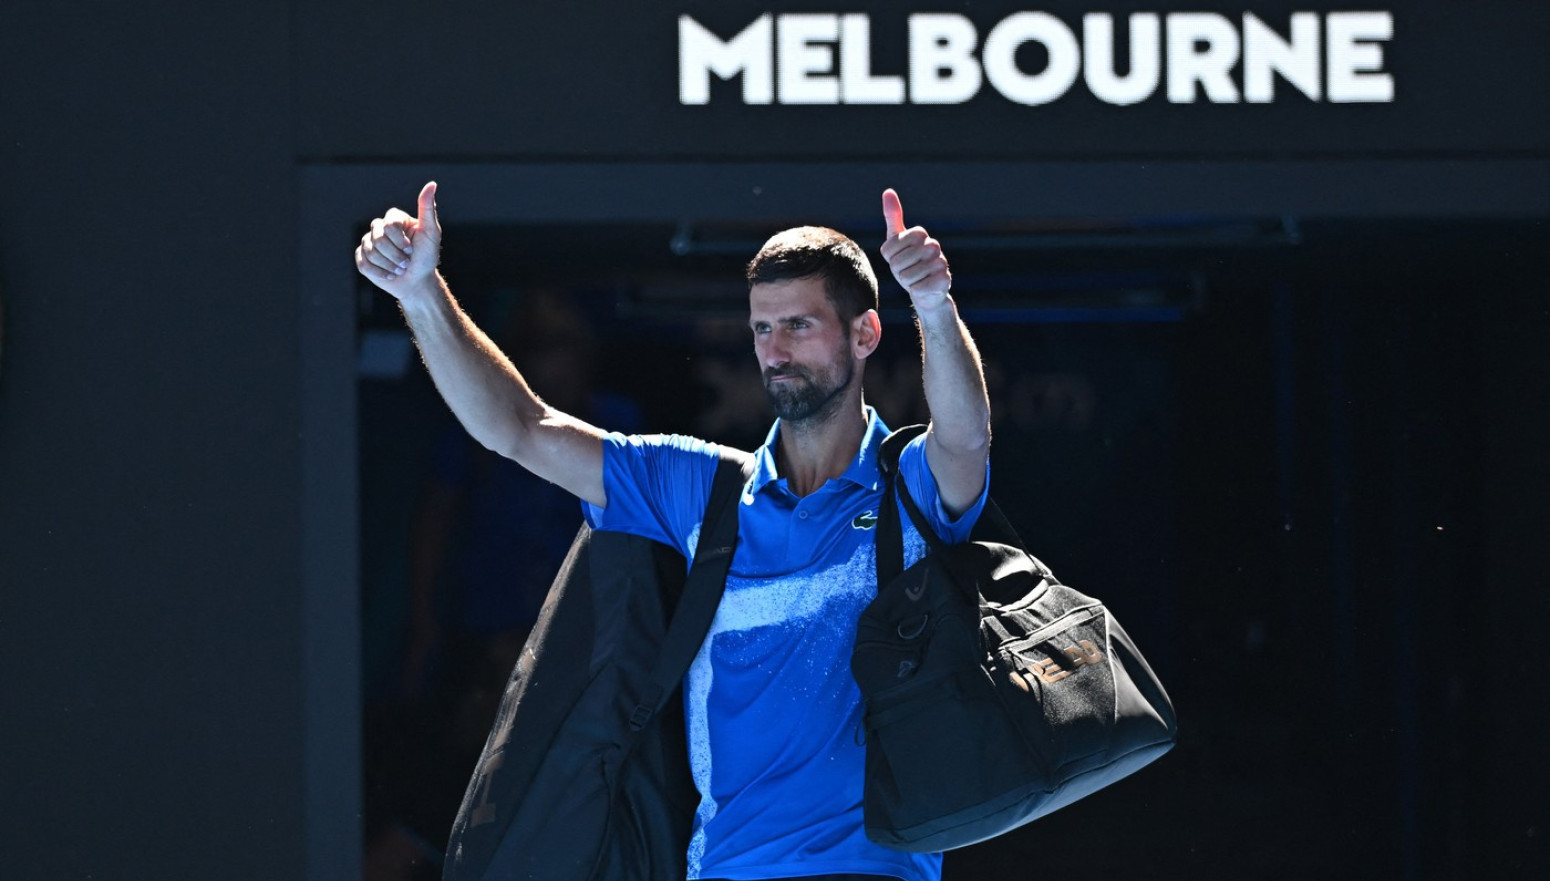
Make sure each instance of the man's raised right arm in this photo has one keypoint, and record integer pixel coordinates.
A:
(486, 393)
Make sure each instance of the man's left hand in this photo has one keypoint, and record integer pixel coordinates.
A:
(915, 258)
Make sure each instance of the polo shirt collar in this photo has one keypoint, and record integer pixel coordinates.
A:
(862, 470)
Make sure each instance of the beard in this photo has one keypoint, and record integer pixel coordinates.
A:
(807, 396)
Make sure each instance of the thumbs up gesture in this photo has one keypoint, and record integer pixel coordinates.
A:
(915, 258)
(400, 252)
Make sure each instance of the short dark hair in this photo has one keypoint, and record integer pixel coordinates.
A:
(809, 251)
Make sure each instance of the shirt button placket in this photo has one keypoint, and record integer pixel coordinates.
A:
(798, 542)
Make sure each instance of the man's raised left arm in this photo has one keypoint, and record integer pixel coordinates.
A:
(958, 441)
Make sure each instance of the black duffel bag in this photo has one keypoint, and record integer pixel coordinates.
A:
(585, 774)
(994, 694)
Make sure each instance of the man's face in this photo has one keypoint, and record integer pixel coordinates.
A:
(802, 346)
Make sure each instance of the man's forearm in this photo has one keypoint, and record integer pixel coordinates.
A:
(954, 380)
(486, 393)
(958, 444)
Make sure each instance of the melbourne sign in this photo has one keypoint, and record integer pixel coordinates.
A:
(1034, 58)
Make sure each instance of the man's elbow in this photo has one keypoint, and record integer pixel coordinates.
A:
(970, 438)
(511, 438)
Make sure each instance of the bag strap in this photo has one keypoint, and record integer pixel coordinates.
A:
(703, 588)
(890, 534)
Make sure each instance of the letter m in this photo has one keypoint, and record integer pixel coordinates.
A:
(750, 53)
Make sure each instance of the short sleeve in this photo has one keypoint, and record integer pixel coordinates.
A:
(657, 487)
(922, 487)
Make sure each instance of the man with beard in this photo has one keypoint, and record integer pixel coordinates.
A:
(772, 712)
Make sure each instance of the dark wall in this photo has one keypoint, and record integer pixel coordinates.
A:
(540, 80)
(1506, 819)
(149, 526)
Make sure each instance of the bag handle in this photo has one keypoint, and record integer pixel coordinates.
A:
(702, 589)
(890, 538)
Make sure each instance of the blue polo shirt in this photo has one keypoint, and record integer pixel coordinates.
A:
(773, 714)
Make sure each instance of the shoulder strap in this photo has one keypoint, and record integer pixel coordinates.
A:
(702, 591)
(890, 535)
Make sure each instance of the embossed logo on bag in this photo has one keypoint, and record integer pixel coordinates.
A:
(1083, 654)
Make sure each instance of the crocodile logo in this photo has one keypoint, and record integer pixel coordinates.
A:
(864, 520)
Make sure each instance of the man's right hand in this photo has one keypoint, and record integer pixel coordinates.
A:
(401, 252)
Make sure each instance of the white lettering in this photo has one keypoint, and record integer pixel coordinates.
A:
(1202, 48)
(1354, 63)
(942, 65)
(1000, 57)
(1145, 58)
(1266, 54)
(857, 84)
(806, 65)
(701, 53)
(823, 58)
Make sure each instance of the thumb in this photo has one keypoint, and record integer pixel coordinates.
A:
(893, 212)
(427, 219)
